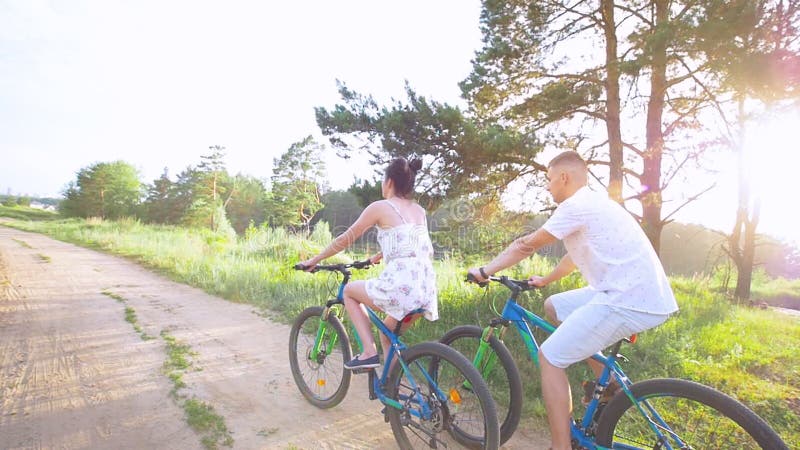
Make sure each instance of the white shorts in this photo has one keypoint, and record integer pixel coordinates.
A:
(588, 328)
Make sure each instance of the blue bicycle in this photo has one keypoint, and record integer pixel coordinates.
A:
(434, 397)
(653, 414)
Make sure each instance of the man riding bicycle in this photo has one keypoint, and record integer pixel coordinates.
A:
(628, 291)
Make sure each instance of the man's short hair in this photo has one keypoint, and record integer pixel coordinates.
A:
(569, 158)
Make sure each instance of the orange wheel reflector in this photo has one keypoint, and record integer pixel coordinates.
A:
(455, 397)
(321, 382)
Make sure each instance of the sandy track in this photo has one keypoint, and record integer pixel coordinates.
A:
(75, 374)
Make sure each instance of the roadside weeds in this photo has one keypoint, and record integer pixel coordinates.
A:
(200, 415)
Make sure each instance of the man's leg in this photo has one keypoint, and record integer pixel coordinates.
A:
(585, 330)
(552, 316)
(558, 402)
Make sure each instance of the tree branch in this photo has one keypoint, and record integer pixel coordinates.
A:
(625, 170)
(670, 176)
(635, 13)
(634, 149)
(689, 200)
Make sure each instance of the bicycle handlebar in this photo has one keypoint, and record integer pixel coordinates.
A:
(336, 267)
(514, 285)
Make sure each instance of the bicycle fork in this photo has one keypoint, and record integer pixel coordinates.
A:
(485, 359)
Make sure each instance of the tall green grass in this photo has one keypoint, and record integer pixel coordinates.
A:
(27, 213)
(748, 353)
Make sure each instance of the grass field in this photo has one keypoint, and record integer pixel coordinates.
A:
(746, 352)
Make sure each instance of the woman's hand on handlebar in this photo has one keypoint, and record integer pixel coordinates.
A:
(376, 258)
(308, 265)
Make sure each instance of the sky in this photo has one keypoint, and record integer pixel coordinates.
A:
(155, 83)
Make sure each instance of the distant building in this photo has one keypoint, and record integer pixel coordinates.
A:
(38, 205)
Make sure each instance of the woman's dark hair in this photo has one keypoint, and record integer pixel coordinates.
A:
(403, 173)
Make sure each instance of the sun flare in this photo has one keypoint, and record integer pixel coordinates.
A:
(772, 165)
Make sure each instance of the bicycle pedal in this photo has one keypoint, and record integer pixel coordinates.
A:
(366, 370)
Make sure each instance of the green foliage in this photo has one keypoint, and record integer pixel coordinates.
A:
(22, 243)
(297, 180)
(340, 211)
(26, 213)
(210, 186)
(321, 235)
(366, 192)
(160, 204)
(24, 200)
(206, 197)
(200, 415)
(460, 155)
(105, 190)
(203, 419)
(246, 203)
(750, 45)
(468, 226)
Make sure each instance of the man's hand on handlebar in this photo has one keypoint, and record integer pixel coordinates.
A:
(471, 278)
(475, 272)
(536, 280)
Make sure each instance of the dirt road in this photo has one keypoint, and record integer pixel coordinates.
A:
(75, 374)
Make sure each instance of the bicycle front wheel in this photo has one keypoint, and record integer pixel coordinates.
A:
(497, 367)
(445, 401)
(318, 350)
(688, 414)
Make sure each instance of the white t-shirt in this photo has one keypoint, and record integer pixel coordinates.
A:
(612, 252)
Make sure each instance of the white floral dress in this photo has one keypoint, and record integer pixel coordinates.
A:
(408, 282)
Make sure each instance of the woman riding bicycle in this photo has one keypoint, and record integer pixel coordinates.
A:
(628, 290)
(408, 282)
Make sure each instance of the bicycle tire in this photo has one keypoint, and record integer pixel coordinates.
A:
(449, 369)
(313, 377)
(685, 405)
(504, 381)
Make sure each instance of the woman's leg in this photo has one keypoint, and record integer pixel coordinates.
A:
(391, 323)
(355, 295)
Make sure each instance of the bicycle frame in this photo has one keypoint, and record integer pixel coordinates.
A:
(396, 346)
(377, 383)
(523, 320)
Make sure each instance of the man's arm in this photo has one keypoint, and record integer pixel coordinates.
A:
(564, 268)
(516, 252)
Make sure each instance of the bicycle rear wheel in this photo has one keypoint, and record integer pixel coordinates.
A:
(459, 415)
(701, 417)
(497, 367)
(323, 380)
